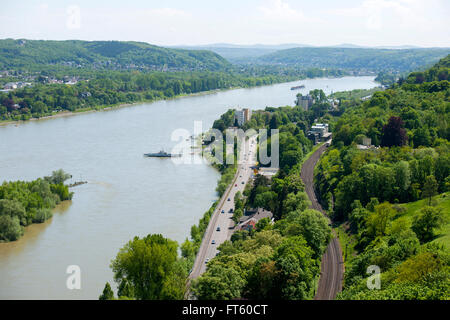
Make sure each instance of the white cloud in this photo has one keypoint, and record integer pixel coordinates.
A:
(279, 10)
(380, 13)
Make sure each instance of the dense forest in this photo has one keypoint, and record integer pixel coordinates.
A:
(391, 197)
(32, 55)
(109, 88)
(23, 203)
(356, 58)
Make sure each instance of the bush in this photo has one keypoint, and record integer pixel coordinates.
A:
(42, 215)
(10, 229)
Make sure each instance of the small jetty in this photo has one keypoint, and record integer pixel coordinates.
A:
(78, 183)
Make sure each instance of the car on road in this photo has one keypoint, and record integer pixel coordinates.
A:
(213, 242)
(229, 199)
(223, 211)
(235, 185)
(243, 182)
(206, 261)
(231, 210)
(218, 229)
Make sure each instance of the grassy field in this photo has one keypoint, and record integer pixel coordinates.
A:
(441, 202)
(347, 242)
(410, 210)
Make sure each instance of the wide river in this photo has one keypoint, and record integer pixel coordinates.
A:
(127, 195)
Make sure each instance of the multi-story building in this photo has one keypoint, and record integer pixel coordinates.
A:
(319, 132)
(242, 116)
(305, 101)
(321, 128)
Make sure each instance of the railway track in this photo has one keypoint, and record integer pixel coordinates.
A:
(331, 269)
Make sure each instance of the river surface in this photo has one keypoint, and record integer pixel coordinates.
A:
(127, 195)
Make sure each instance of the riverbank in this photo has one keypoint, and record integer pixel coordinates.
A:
(124, 105)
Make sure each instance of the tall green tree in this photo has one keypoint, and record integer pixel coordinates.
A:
(394, 133)
(146, 264)
(107, 293)
(10, 228)
(430, 188)
(219, 283)
(426, 222)
(295, 269)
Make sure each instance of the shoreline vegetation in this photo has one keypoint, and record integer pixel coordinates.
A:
(239, 269)
(24, 203)
(20, 105)
(101, 108)
(190, 248)
(178, 273)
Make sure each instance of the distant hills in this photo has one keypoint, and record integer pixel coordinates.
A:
(38, 55)
(349, 45)
(343, 56)
(398, 60)
(104, 54)
(283, 46)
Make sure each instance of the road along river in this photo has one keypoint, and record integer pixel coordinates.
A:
(127, 195)
(221, 227)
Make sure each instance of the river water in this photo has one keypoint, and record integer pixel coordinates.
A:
(127, 195)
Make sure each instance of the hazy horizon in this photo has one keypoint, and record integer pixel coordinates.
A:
(254, 45)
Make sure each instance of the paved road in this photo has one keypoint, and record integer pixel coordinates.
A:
(208, 250)
(331, 270)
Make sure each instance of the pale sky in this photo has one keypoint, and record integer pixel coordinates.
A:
(196, 22)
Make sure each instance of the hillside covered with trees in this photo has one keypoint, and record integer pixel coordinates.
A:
(116, 55)
(356, 58)
(391, 198)
(390, 203)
